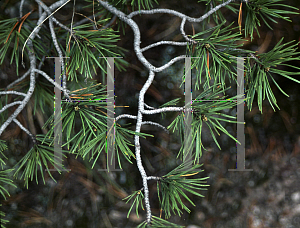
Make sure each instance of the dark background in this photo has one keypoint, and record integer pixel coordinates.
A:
(269, 196)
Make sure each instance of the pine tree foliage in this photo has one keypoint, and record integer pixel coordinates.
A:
(208, 113)
(4, 181)
(173, 184)
(13, 39)
(38, 157)
(138, 197)
(88, 43)
(266, 65)
(259, 11)
(217, 48)
(83, 58)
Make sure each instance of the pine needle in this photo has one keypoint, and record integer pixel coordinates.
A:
(208, 63)
(194, 45)
(11, 31)
(240, 18)
(23, 19)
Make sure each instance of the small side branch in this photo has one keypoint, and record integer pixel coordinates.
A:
(18, 80)
(59, 52)
(178, 14)
(160, 110)
(125, 116)
(21, 8)
(10, 105)
(155, 124)
(183, 33)
(53, 18)
(147, 106)
(32, 58)
(66, 92)
(153, 178)
(26, 130)
(137, 39)
(164, 42)
(159, 69)
(13, 92)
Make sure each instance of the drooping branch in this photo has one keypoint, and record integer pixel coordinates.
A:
(152, 69)
(66, 92)
(125, 116)
(9, 105)
(163, 42)
(161, 110)
(137, 39)
(141, 105)
(32, 58)
(56, 45)
(181, 15)
(138, 50)
(19, 79)
(13, 92)
(25, 130)
(183, 32)
(153, 178)
(148, 106)
(155, 124)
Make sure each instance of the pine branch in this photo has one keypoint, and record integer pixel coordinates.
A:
(25, 130)
(163, 42)
(155, 124)
(125, 116)
(19, 79)
(213, 48)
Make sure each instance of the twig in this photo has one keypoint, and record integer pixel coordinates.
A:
(21, 8)
(26, 130)
(160, 110)
(147, 106)
(53, 18)
(155, 124)
(137, 41)
(42, 62)
(183, 33)
(153, 178)
(66, 92)
(125, 116)
(13, 92)
(32, 58)
(164, 42)
(40, 11)
(18, 80)
(10, 105)
(176, 13)
(60, 54)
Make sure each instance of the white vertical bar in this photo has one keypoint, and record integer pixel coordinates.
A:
(240, 118)
(187, 151)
